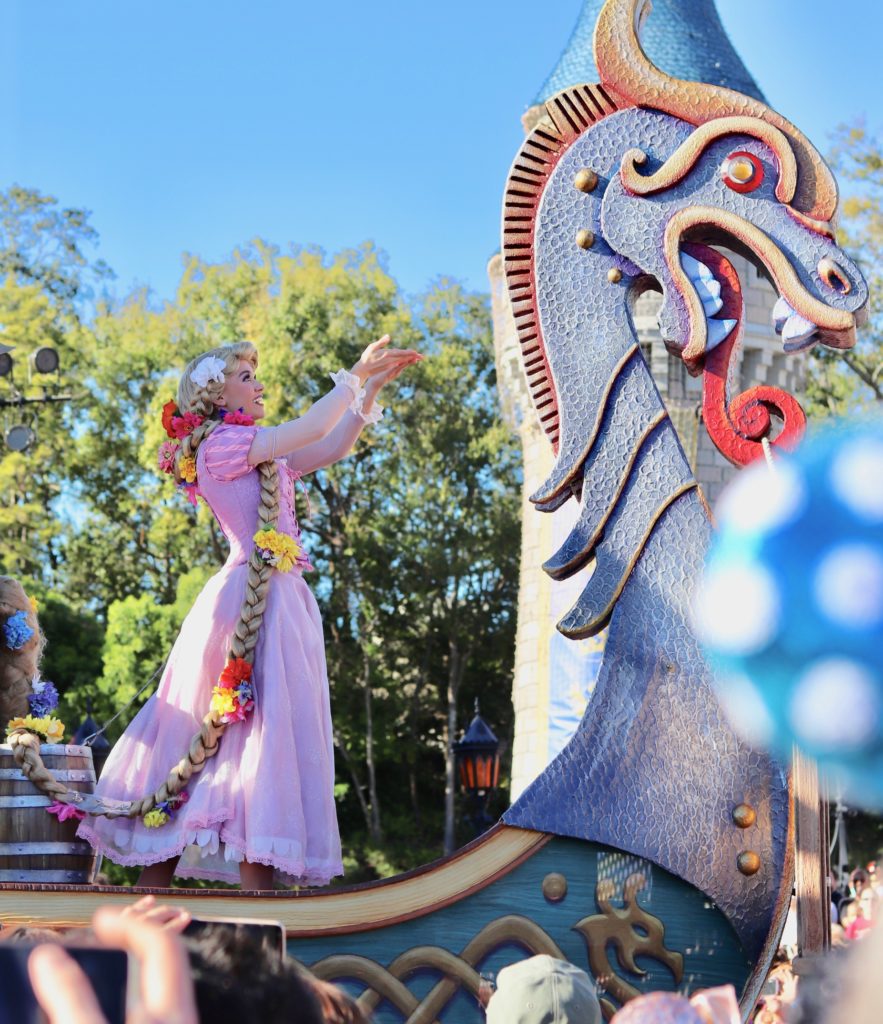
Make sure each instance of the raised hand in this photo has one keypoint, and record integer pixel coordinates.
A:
(379, 359)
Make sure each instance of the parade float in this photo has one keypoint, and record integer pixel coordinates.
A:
(657, 850)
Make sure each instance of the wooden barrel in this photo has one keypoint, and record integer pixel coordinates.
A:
(36, 846)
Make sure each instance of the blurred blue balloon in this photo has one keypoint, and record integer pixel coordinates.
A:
(790, 608)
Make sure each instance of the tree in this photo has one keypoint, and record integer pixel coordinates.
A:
(841, 381)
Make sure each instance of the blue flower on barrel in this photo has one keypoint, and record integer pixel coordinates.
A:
(790, 610)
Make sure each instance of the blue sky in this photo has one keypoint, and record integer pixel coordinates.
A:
(199, 125)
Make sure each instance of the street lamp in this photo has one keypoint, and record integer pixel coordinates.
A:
(478, 760)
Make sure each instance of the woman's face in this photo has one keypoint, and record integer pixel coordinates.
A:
(242, 390)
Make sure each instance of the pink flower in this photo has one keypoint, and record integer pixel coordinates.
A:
(65, 811)
(191, 493)
(165, 457)
(238, 418)
(186, 424)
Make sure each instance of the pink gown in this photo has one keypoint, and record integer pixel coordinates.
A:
(267, 796)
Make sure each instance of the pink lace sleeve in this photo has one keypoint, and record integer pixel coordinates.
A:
(226, 452)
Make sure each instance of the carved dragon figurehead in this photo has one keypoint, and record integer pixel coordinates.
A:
(654, 171)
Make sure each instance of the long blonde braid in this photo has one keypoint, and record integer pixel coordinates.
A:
(202, 401)
(17, 667)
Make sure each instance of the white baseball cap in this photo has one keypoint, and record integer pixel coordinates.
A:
(543, 990)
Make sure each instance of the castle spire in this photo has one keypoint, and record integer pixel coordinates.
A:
(682, 37)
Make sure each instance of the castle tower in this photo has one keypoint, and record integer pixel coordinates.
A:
(553, 676)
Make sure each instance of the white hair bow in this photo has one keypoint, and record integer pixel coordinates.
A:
(210, 368)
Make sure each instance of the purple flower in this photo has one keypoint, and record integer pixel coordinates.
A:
(43, 701)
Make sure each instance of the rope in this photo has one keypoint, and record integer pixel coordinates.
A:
(768, 454)
(92, 737)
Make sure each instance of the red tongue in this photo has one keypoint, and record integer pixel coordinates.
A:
(737, 426)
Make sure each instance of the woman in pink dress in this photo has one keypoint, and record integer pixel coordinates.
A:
(265, 800)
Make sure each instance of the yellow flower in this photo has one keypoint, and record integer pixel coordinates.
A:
(223, 701)
(187, 469)
(284, 550)
(51, 728)
(155, 818)
(34, 606)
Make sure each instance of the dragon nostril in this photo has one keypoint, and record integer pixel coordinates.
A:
(834, 277)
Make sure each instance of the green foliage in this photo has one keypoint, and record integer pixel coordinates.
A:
(841, 383)
(412, 535)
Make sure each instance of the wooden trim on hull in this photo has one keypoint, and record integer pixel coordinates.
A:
(304, 914)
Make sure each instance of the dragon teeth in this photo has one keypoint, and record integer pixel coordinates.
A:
(718, 331)
(797, 329)
(781, 312)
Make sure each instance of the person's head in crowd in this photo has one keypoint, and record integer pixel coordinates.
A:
(543, 990)
(30, 936)
(236, 981)
(708, 1006)
(335, 1005)
(859, 880)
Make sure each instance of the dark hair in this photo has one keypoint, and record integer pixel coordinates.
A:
(337, 1007)
(238, 980)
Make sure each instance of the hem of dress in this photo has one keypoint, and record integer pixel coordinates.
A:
(294, 872)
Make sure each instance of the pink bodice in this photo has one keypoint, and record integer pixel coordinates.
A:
(232, 489)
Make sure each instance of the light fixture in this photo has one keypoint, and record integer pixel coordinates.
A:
(45, 360)
(5, 363)
(19, 437)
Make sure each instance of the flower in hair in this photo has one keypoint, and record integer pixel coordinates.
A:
(187, 469)
(155, 818)
(65, 811)
(184, 425)
(236, 418)
(191, 492)
(233, 697)
(165, 457)
(277, 549)
(43, 699)
(169, 412)
(51, 728)
(208, 369)
(16, 631)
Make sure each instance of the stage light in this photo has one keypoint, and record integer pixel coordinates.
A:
(45, 360)
(19, 437)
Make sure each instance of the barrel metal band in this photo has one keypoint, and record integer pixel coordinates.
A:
(61, 774)
(45, 875)
(24, 801)
(29, 849)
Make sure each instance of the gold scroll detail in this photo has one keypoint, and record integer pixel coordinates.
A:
(632, 931)
(459, 971)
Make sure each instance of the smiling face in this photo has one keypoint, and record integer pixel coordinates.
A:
(242, 390)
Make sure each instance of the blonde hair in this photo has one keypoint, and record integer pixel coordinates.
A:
(18, 667)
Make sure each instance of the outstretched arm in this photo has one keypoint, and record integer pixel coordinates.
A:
(339, 442)
(324, 415)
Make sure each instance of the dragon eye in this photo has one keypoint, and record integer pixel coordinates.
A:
(742, 172)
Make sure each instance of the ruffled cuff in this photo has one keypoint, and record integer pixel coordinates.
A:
(370, 418)
(351, 381)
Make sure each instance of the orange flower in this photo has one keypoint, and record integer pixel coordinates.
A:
(169, 410)
(236, 671)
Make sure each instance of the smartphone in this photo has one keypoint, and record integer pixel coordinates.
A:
(106, 969)
(268, 936)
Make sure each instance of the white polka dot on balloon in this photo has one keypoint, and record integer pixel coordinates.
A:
(737, 608)
(759, 501)
(857, 478)
(848, 585)
(835, 705)
(746, 710)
